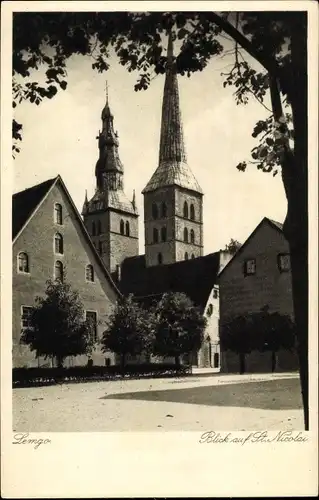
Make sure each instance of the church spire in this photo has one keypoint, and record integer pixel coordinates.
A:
(172, 146)
(109, 169)
(172, 166)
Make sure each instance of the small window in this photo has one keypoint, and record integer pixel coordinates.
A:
(155, 235)
(215, 293)
(91, 319)
(23, 262)
(185, 210)
(164, 210)
(160, 258)
(250, 267)
(122, 226)
(127, 228)
(185, 234)
(58, 214)
(163, 234)
(155, 211)
(89, 273)
(210, 309)
(93, 229)
(192, 256)
(26, 314)
(192, 236)
(58, 243)
(98, 227)
(284, 262)
(192, 212)
(186, 255)
(58, 271)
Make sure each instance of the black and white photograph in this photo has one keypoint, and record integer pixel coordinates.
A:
(160, 222)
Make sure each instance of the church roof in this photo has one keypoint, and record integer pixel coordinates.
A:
(173, 173)
(172, 167)
(194, 277)
(115, 199)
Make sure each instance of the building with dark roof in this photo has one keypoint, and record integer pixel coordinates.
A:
(49, 242)
(258, 277)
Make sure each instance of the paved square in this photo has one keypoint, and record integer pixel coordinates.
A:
(216, 402)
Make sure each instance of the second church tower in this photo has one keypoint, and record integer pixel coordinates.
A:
(173, 199)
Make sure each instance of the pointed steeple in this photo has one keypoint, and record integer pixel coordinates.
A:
(172, 138)
(109, 169)
(86, 203)
(172, 168)
(134, 200)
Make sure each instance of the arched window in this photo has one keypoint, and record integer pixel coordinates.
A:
(154, 211)
(192, 236)
(58, 270)
(58, 213)
(93, 229)
(209, 310)
(99, 227)
(89, 273)
(160, 258)
(58, 243)
(192, 256)
(122, 226)
(23, 262)
(164, 210)
(155, 235)
(185, 234)
(127, 228)
(186, 256)
(185, 210)
(163, 234)
(192, 212)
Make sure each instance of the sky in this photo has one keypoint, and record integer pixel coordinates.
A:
(59, 137)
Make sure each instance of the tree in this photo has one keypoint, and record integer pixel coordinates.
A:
(238, 336)
(58, 328)
(129, 330)
(276, 40)
(179, 326)
(276, 332)
(233, 246)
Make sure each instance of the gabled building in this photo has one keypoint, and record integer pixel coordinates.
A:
(50, 241)
(258, 276)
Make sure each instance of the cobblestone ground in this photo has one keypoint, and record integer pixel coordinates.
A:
(218, 402)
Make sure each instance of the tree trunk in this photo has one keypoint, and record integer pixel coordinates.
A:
(123, 356)
(59, 362)
(177, 362)
(295, 179)
(273, 361)
(242, 363)
(296, 184)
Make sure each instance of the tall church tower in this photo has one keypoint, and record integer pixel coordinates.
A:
(173, 199)
(110, 218)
